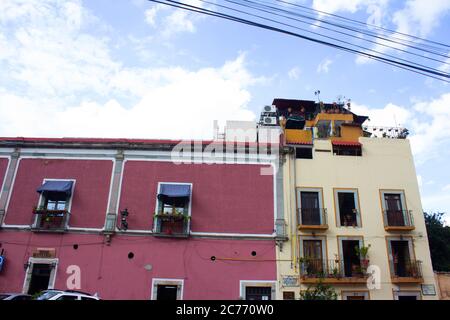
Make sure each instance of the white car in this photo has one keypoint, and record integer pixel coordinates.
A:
(14, 296)
(66, 295)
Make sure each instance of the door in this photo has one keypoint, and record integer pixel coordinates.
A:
(347, 209)
(401, 257)
(258, 293)
(40, 277)
(310, 208)
(166, 292)
(394, 209)
(312, 252)
(356, 298)
(351, 258)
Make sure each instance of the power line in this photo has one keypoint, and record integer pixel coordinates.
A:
(363, 23)
(408, 66)
(348, 28)
(329, 37)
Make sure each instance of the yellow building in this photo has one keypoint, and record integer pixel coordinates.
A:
(352, 207)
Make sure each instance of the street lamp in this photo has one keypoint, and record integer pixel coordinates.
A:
(123, 220)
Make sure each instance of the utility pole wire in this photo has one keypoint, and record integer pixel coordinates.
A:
(328, 37)
(258, 5)
(407, 66)
(364, 23)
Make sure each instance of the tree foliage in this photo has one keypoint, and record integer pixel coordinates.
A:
(319, 291)
(439, 240)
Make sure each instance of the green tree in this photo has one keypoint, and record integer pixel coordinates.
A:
(319, 291)
(439, 240)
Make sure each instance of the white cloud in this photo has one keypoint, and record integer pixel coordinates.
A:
(175, 20)
(420, 16)
(150, 13)
(59, 79)
(324, 66)
(294, 73)
(446, 187)
(427, 121)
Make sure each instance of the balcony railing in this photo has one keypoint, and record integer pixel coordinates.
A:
(50, 220)
(171, 225)
(386, 132)
(406, 271)
(312, 218)
(398, 220)
(333, 271)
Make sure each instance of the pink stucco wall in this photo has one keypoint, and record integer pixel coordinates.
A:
(3, 167)
(90, 197)
(232, 198)
(108, 270)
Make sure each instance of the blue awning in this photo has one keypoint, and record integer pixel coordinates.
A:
(56, 186)
(175, 190)
(173, 193)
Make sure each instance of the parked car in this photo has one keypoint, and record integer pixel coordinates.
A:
(65, 295)
(14, 296)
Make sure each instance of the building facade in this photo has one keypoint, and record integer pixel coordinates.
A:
(122, 219)
(266, 210)
(352, 207)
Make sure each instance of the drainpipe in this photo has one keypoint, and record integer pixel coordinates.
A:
(111, 216)
(13, 162)
(280, 223)
(293, 206)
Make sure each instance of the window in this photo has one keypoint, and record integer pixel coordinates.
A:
(401, 258)
(167, 289)
(257, 290)
(67, 297)
(288, 295)
(355, 295)
(303, 152)
(347, 208)
(40, 275)
(347, 150)
(395, 213)
(52, 212)
(312, 253)
(172, 216)
(258, 293)
(310, 208)
(337, 127)
(323, 128)
(407, 295)
(352, 264)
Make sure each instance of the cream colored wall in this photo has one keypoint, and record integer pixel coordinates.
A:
(385, 164)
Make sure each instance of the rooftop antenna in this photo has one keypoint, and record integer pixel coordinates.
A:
(317, 93)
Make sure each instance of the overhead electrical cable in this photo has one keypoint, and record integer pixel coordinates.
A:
(332, 38)
(408, 66)
(364, 23)
(316, 22)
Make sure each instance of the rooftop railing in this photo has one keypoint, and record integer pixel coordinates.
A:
(386, 132)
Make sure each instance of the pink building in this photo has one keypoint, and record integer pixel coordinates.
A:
(120, 218)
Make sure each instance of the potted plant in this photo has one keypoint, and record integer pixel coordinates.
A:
(363, 254)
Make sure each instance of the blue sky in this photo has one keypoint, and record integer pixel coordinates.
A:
(113, 68)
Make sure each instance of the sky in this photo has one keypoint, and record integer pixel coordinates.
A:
(136, 69)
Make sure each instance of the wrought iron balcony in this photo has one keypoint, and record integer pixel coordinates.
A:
(409, 271)
(333, 271)
(312, 219)
(171, 225)
(398, 220)
(50, 220)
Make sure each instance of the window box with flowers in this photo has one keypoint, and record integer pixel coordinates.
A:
(172, 217)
